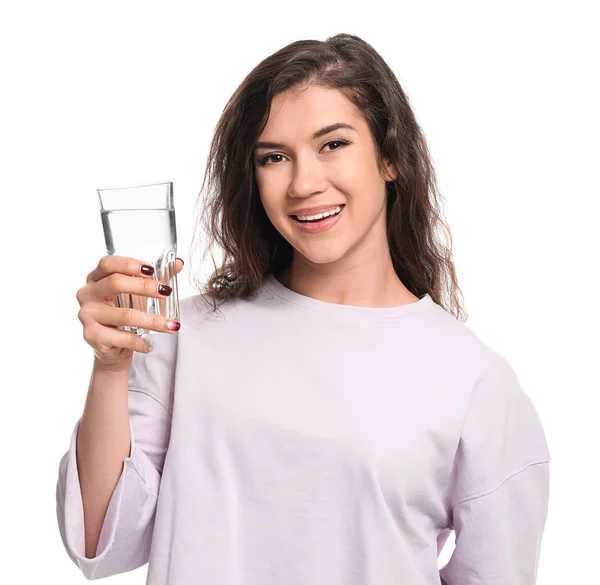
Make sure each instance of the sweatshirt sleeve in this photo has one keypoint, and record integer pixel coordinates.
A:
(501, 482)
(126, 533)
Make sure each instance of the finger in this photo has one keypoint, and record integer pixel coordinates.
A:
(116, 283)
(110, 264)
(96, 335)
(119, 317)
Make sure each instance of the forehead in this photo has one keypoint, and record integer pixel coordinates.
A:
(299, 114)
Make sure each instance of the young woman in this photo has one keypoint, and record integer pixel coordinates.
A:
(323, 415)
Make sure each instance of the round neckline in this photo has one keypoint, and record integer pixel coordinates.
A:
(350, 312)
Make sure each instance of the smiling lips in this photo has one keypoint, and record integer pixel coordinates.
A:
(319, 216)
(320, 224)
(315, 210)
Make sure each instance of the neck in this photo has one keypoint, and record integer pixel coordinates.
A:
(371, 285)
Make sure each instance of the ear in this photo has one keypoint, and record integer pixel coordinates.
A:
(390, 173)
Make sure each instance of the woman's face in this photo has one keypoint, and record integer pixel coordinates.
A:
(339, 167)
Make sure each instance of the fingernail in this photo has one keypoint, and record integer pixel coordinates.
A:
(165, 289)
(147, 270)
(173, 325)
(180, 259)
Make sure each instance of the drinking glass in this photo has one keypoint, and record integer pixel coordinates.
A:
(139, 222)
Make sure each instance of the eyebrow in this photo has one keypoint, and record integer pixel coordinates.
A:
(317, 134)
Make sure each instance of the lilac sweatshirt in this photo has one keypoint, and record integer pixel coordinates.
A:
(299, 442)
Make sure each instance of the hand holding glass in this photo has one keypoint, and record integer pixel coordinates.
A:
(139, 222)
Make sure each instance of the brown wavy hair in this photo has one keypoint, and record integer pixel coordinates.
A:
(233, 216)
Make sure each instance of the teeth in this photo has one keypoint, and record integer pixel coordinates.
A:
(320, 215)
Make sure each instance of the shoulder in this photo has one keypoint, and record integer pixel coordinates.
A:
(201, 309)
(453, 342)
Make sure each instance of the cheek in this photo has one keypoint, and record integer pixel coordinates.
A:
(263, 192)
(356, 174)
(272, 206)
(272, 192)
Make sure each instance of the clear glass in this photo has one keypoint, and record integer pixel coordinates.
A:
(139, 222)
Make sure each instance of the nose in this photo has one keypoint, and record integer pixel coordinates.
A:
(307, 179)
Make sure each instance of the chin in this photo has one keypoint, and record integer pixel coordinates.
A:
(323, 255)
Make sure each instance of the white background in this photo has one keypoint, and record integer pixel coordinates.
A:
(119, 93)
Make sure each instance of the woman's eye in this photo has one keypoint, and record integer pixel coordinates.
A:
(265, 159)
(335, 142)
